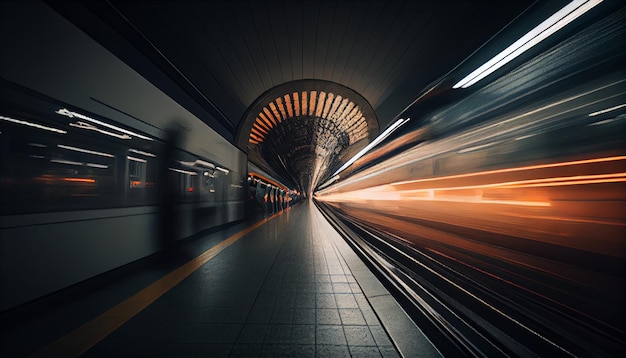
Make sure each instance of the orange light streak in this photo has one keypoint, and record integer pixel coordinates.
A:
(80, 180)
(509, 170)
(576, 180)
(557, 181)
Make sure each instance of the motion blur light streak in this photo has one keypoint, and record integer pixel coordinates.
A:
(69, 162)
(82, 150)
(607, 110)
(183, 171)
(197, 162)
(95, 165)
(554, 23)
(80, 180)
(516, 169)
(223, 170)
(135, 159)
(463, 289)
(31, 124)
(142, 153)
(575, 180)
(68, 113)
(372, 144)
(87, 126)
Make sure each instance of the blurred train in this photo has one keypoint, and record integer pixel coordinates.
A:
(99, 167)
(82, 194)
(519, 184)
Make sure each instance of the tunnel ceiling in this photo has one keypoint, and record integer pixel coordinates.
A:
(219, 59)
(306, 129)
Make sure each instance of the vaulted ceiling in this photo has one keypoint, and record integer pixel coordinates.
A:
(359, 64)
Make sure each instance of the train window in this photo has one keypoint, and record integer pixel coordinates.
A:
(136, 172)
(53, 160)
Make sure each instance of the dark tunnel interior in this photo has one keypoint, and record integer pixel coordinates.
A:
(313, 178)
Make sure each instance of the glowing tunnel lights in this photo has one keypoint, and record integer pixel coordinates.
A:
(343, 112)
(551, 25)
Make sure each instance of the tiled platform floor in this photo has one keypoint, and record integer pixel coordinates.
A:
(283, 290)
(288, 288)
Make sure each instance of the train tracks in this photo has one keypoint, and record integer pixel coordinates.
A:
(473, 305)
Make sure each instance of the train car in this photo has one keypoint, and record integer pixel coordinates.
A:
(99, 168)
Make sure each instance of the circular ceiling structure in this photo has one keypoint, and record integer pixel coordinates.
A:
(304, 130)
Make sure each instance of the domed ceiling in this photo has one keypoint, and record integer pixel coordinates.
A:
(305, 130)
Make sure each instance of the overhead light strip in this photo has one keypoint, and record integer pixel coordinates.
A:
(554, 23)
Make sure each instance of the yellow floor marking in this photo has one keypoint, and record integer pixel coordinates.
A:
(83, 338)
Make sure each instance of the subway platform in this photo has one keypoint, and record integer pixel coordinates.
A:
(286, 285)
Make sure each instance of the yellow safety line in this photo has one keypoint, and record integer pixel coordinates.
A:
(86, 336)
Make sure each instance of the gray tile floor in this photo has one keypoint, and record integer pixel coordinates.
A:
(282, 290)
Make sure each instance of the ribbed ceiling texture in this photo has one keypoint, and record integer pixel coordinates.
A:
(233, 62)
(306, 129)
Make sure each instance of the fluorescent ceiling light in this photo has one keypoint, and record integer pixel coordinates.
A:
(377, 140)
(68, 113)
(554, 23)
(30, 124)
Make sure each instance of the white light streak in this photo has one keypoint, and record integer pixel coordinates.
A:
(142, 153)
(31, 124)
(69, 162)
(81, 150)
(376, 140)
(134, 159)
(607, 110)
(548, 27)
(198, 162)
(87, 126)
(68, 113)
(183, 171)
(99, 166)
